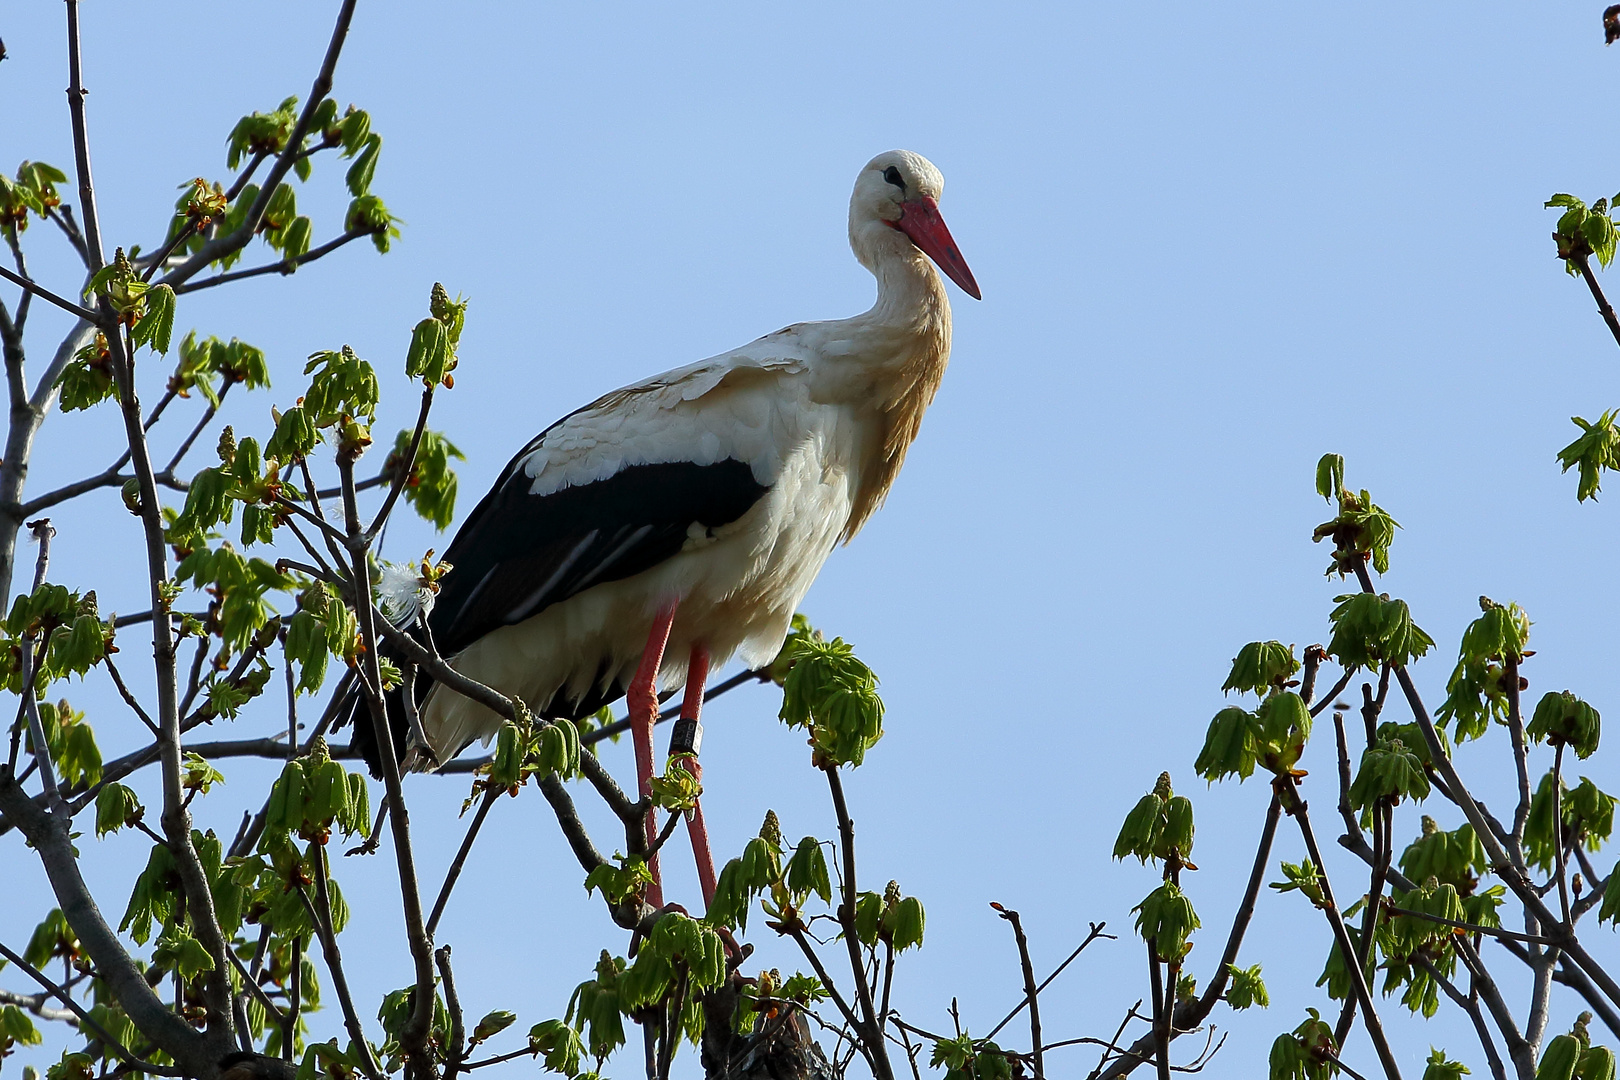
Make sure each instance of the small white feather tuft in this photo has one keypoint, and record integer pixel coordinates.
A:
(402, 594)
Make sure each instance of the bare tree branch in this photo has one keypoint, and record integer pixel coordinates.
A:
(282, 266)
(85, 1019)
(31, 286)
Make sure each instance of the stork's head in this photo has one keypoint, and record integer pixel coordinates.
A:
(895, 212)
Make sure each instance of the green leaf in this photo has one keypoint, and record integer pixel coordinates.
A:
(1388, 771)
(364, 168)
(1362, 530)
(1609, 912)
(343, 386)
(1597, 1063)
(1559, 1059)
(1284, 726)
(279, 212)
(116, 807)
(1139, 834)
(492, 1024)
(1370, 629)
(433, 485)
(156, 324)
(904, 923)
(1302, 1055)
(1595, 451)
(295, 240)
(87, 379)
(559, 1046)
(15, 1026)
(1230, 746)
(1330, 475)
(294, 438)
(1455, 858)
(1247, 989)
(1303, 878)
(178, 951)
(1167, 919)
(1260, 667)
(368, 214)
(51, 939)
(1564, 719)
(353, 130)
(618, 884)
(262, 132)
(806, 872)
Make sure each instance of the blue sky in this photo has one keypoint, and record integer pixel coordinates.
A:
(1214, 243)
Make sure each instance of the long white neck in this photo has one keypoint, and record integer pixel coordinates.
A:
(893, 358)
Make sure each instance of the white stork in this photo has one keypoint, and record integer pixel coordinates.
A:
(678, 522)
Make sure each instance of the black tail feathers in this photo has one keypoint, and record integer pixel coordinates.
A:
(354, 711)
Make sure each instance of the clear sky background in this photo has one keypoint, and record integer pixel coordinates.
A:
(1215, 241)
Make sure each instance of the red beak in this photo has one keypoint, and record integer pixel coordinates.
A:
(920, 220)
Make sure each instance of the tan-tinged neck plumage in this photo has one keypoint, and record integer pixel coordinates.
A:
(904, 343)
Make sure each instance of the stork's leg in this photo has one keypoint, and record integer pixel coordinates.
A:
(683, 746)
(642, 698)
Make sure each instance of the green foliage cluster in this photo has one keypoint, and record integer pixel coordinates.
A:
(1159, 827)
(1273, 735)
(967, 1058)
(1587, 813)
(1476, 694)
(828, 691)
(311, 796)
(32, 192)
(1361, 531)
(532, 749)
(1306, 1053)
(1583, 231)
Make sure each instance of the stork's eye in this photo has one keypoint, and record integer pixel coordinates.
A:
(892, 175)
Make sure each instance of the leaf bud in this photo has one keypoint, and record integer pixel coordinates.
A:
(1162, 788)
(131, 492)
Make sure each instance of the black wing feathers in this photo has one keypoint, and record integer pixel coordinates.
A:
(519, 553)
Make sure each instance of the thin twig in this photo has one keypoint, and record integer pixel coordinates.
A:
(878, 1050)
(1581, 263)
(281, 266)
(1327, 699)
(452, 874)
(1562, 864)
(1161, 1013)
(334, 965)
(1469, 1006)
(405, 468)
(1031, 991)
(1296, 808)
(1096, 932)
(32, 286)
(415, 1035)
(129, 698)
(32, 661)
(458, 1032)
(85, 1019)
(207, 417)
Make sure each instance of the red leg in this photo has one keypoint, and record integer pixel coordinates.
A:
(684, 744)
(642, 698)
